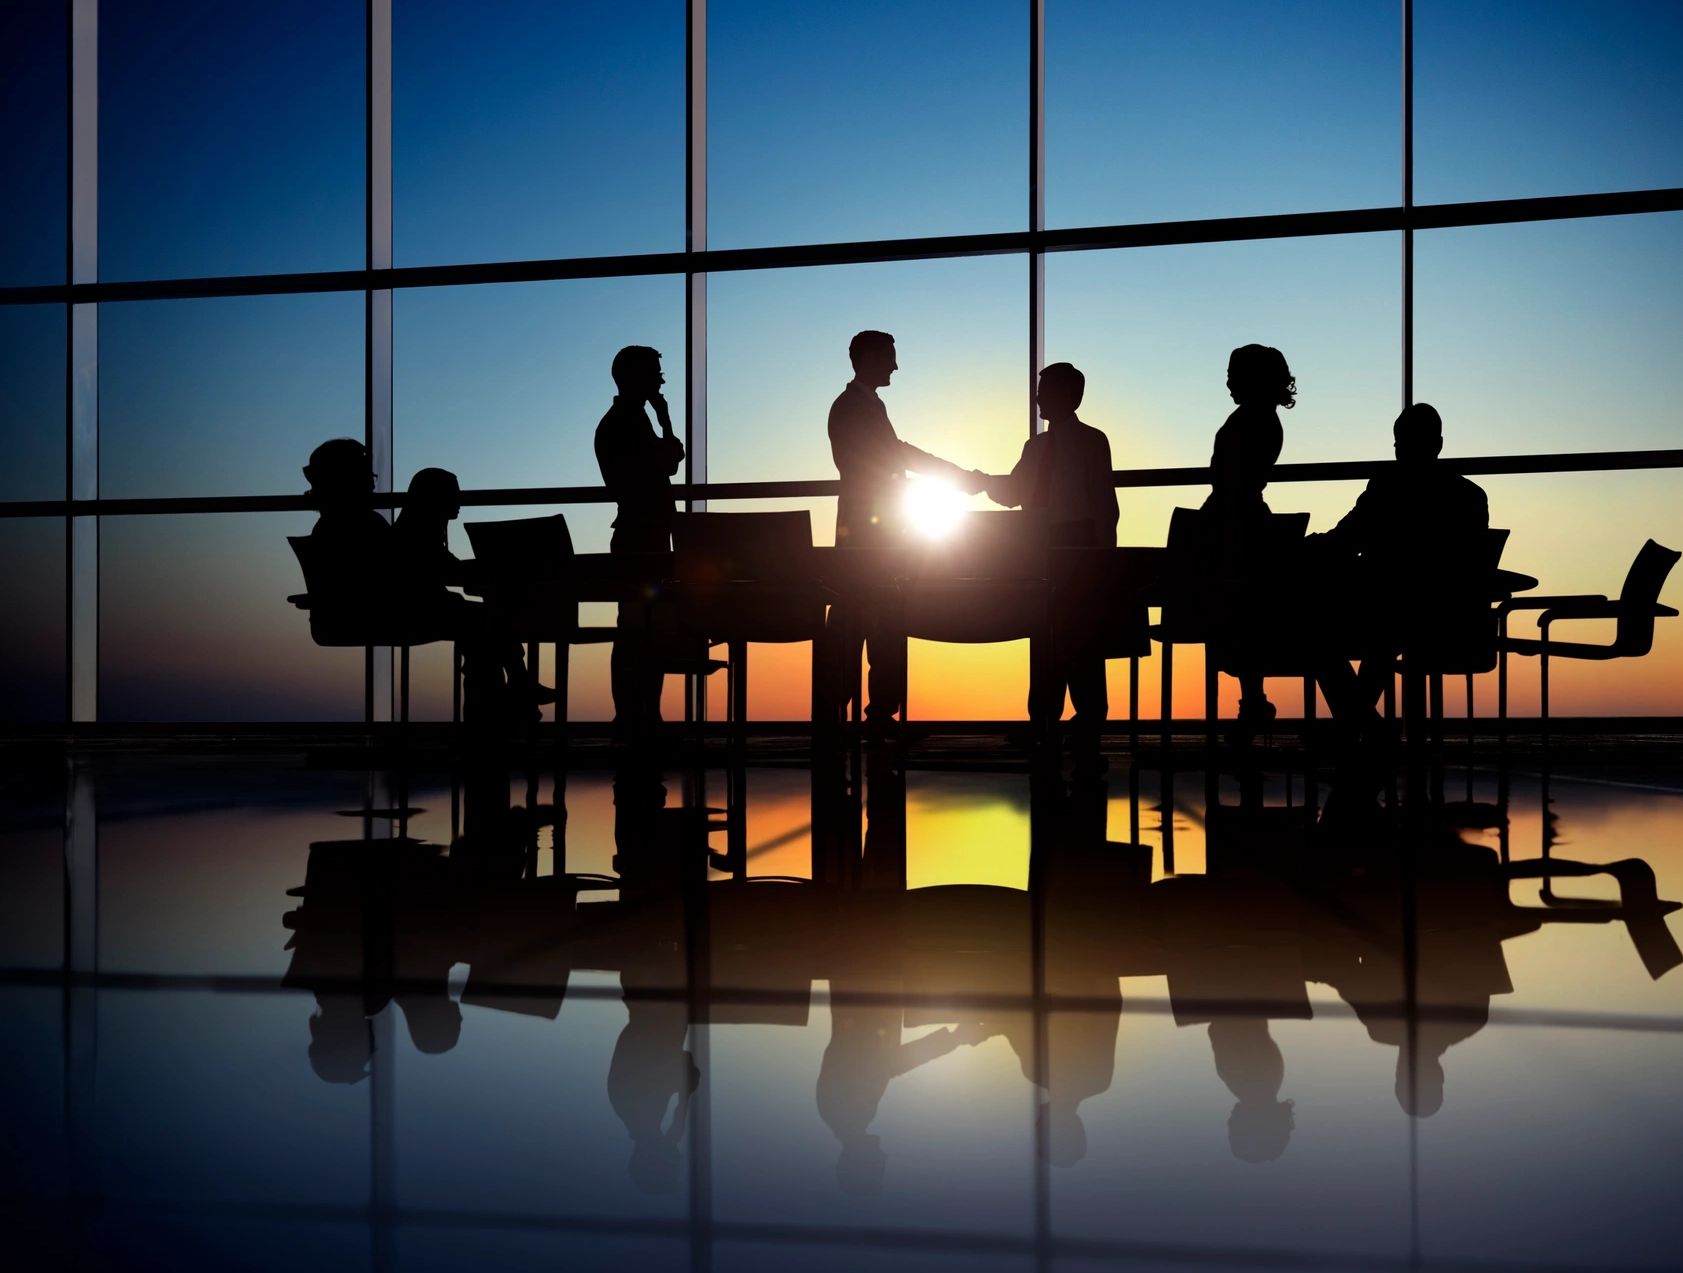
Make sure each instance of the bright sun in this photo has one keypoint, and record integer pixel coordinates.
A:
(933, 508)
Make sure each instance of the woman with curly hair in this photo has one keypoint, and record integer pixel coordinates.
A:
(1246, 446)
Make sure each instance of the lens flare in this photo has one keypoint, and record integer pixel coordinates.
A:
(933, 508)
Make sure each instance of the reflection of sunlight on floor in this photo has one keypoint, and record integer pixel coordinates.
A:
(967, 829)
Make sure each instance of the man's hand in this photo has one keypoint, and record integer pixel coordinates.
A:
(974, 482)
(663, 414)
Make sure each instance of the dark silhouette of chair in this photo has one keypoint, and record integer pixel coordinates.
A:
(986, 582)
(1209, 589)
(1104, 591)
(1455, 637)
(524, 569)
(348, 610)
(1633, 611)
(742, 578)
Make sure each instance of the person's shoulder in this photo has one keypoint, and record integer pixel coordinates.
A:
(1094, 436)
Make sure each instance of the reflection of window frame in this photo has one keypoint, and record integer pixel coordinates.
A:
(83, 506)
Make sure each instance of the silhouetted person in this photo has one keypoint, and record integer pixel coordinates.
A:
(637, 466)
(872, 462)
(1415, 539)
(1246, 447)
(1064, 476)
(427, 568)
(341, 478)
(1249, 1063)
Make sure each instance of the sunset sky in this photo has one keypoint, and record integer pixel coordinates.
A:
(232, 143)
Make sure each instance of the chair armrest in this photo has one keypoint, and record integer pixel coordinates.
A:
(1582, 608)
(1664, 612)
(1548, 603)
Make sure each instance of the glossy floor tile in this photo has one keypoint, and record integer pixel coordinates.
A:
(274, 1010)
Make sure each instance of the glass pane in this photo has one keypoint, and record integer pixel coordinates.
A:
(1553, 336)
(1514, 98)
(225, 396)
(1153, 327)
(869, 120)
(1170, 112)
(32, 867)
(207, 1097)
(32, 416)
(777, 358)
(555, 130)
(194, 624)
(173, 901)
(232, 137)
(34, 155)
(504, 386)
(32, 666)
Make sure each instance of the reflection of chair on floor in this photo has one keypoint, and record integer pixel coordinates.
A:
(346, 611)
(1633, 611)
(746, 578)
(1207, 597)
(525, 569)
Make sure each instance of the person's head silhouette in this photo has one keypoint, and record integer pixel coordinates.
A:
(339, 472)
(873, 356)
(1061, 390)
(1260, 1130)
(341, 1039)
(1257, 375)
(1063, 1133)
(1418, 434)
(1420, 1087)
(636, 372)
(435, 493)
(435, 1022)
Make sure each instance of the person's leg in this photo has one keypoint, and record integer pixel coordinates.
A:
(887, 679)
(1047, 678)
(627, 677)
(1091, 698)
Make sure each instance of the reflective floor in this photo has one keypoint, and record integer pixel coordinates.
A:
(277, 1011)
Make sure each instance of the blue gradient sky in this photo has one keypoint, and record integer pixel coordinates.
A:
(232, 142)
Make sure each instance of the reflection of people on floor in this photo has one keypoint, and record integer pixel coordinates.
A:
(652, 1074)
(864, 1055)
(1249, 1062)
(1232, 953)
(375, 924)
(637, 468)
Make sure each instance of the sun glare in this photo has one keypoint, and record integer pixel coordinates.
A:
(933, 508)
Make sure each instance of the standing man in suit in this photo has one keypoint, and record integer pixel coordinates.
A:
(1064, 476)
(637, 466)
(872, 462)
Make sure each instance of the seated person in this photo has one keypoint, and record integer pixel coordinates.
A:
(1064, 475)
(1411, 536)
(341, 479)
(426, 569)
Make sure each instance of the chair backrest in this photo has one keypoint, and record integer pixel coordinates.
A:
(767, 547)
(1647, 575)
(993, 545)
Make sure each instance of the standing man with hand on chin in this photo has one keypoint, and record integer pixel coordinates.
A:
(637, 467)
